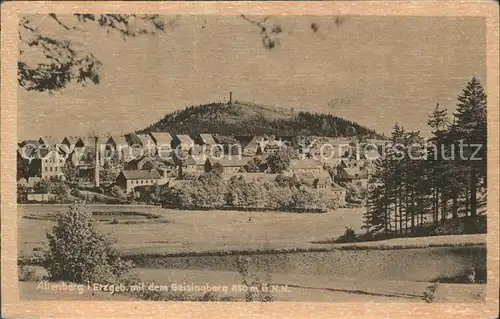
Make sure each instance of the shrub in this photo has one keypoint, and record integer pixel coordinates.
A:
(430, 293)
(255, 288)
(27, 273)
(78, 253)
(348, 236)
(117, 192)
(114, 221)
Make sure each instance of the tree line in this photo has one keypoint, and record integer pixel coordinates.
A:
(209, 191)
(443, 179)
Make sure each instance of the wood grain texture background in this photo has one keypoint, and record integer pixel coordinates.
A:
(12, 307)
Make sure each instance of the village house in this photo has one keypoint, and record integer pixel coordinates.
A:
(351, 163)
(24, 157)
(202, 150)
(317, 180)
(257, 164)
(147, 143)
(143, 162)
(129, 179)
(162, 140)
(117, 142)
(83, 162)
(250, 145)
(331, 163)
(182, 142)
(340, 192)
(305, 166)
(85, 142)
(129, 153)
(204, 139)
(48, 141)
(47, 164)
(326, 147)
(195, 164)
(355, 175)
(322, 182)
(229, 165)
(69, 143)
(33, 144)
(28, 192)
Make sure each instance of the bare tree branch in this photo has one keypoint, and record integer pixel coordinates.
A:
(268, 33)
(63, 63)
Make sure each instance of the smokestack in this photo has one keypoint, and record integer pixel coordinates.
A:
(96, 165)
(230, 97)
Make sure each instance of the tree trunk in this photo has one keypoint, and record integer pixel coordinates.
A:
(435, 206)
(97, 162)
(444, 208)
(400, 214)
(473, 193)
(454, 206)
(412, 211)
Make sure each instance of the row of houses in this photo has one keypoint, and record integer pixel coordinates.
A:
(149, 161)
(153, 142)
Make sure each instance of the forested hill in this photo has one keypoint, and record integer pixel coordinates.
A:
(241, 118)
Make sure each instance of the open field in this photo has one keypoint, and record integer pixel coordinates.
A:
(181, 231)
(202, 247)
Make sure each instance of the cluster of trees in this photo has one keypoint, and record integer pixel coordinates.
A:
(222, 118)
(209, 191)
(77, 252)
(109, 169)
(418, 183)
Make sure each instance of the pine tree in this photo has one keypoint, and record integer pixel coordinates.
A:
(470, 127)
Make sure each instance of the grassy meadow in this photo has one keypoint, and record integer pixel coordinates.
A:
(174, 246)
(182, 231)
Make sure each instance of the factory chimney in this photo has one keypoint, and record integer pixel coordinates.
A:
(96, 164)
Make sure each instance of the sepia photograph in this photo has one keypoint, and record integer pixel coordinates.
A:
(251, 157)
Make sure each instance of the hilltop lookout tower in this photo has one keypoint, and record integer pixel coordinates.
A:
(230, 98)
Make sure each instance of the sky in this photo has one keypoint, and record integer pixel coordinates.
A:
(374, 70)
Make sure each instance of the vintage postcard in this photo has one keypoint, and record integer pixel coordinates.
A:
(248, 159)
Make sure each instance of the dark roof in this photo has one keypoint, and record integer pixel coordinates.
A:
(207, 139)
(141, 174)
(45, 153)
(184, 139)
(34, 143)
(25, 152)
(352, 162)
(314, 178)
(48, 140)
(354, 172)
(146, 140)
(117, 140)
(71, 139)
(162, 138)
(322, 181)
